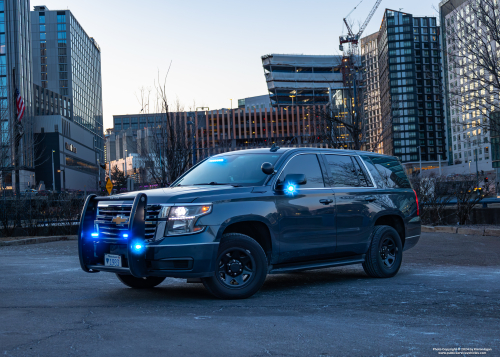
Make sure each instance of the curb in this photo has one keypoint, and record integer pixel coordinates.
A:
(37, 240)
(492, 232)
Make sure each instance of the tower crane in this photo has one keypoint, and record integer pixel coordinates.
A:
(353, 38)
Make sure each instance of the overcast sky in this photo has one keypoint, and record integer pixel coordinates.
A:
(214, 46)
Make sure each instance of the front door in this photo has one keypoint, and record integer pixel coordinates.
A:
(353, 193)
(306, 216)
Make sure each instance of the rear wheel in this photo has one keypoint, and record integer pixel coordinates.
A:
(385, 254)
(140, 283)
(241, 268)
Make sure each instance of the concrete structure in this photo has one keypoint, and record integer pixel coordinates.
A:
(259, 102)
(373, 126)
(67, 61)
(74, 166)
(301, 80)
(410, 89)
(15, 73)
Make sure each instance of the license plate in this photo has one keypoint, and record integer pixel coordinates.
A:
(112, 260)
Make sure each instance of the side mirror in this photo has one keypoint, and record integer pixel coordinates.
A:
(267, 168)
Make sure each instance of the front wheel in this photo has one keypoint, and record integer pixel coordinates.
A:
(241, 268)
(140, 283)
(385, 254)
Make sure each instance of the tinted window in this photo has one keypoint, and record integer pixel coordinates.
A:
(373, 171)
(364, 178)
(391, 172)
(342, 171)
(307, 165)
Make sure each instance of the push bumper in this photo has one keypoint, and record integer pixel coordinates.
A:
(189, 256)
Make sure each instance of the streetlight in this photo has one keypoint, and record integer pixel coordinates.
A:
(64, 178)
(53, 173)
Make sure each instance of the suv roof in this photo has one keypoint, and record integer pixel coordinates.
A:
(284, 150)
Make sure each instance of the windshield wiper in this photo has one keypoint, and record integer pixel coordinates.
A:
(217, 184)
(210, 183)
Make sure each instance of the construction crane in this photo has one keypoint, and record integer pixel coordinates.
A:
(353, 38)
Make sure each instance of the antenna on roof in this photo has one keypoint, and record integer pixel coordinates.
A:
(274, 148)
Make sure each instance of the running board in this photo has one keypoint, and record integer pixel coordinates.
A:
(285, 268)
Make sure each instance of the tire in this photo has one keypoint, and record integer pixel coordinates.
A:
(140, 283)
(385, 253)
(238, 254)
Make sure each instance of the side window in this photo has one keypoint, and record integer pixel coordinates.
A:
(391, 171)
(308, 165)
(342, 171)
(364, 179)
(373, 171)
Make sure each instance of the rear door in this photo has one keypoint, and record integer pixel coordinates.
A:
(354, 193)
(307, 216)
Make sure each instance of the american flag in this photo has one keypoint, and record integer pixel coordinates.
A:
(20, 105)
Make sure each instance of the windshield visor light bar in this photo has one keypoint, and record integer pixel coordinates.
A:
(216, 160)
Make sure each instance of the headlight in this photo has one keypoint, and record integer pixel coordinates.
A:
(182, 219)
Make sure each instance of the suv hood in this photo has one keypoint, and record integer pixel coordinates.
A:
(187, 194)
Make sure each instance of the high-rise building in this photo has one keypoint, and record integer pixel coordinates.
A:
(373, 126)
(411, 89)
(15, 73)
(466, 80)
(301, 80)
(67, 61)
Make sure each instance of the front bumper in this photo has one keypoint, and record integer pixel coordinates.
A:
(187, 256)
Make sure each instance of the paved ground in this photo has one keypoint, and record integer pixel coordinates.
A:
(446, 295)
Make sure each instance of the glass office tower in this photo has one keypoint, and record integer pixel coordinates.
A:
(68, 61)
(411, 89)
(15, 72)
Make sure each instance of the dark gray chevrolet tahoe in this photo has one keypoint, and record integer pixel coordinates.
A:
(238, 216)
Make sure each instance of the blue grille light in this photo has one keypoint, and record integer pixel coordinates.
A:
(138, 247)
(94, 234)
(125, 235)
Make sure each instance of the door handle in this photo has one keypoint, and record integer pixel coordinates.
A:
(370, 198)
(326, 201)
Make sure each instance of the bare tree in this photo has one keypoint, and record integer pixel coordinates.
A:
(167, 149)
(341, 124)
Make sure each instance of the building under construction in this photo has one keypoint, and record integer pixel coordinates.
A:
(301, 80)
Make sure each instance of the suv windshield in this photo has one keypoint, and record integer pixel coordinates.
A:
(236, 169)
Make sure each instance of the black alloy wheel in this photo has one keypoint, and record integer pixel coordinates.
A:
(240, 268)
(388, 252)
(236, 267)
(385, 253)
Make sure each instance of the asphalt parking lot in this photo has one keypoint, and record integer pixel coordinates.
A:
(446, 295)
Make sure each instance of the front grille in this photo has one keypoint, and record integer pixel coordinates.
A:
(112, 232)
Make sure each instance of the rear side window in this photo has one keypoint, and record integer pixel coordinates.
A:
(391, 172)
(373, 171)
(345, 172)
(308, 165)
